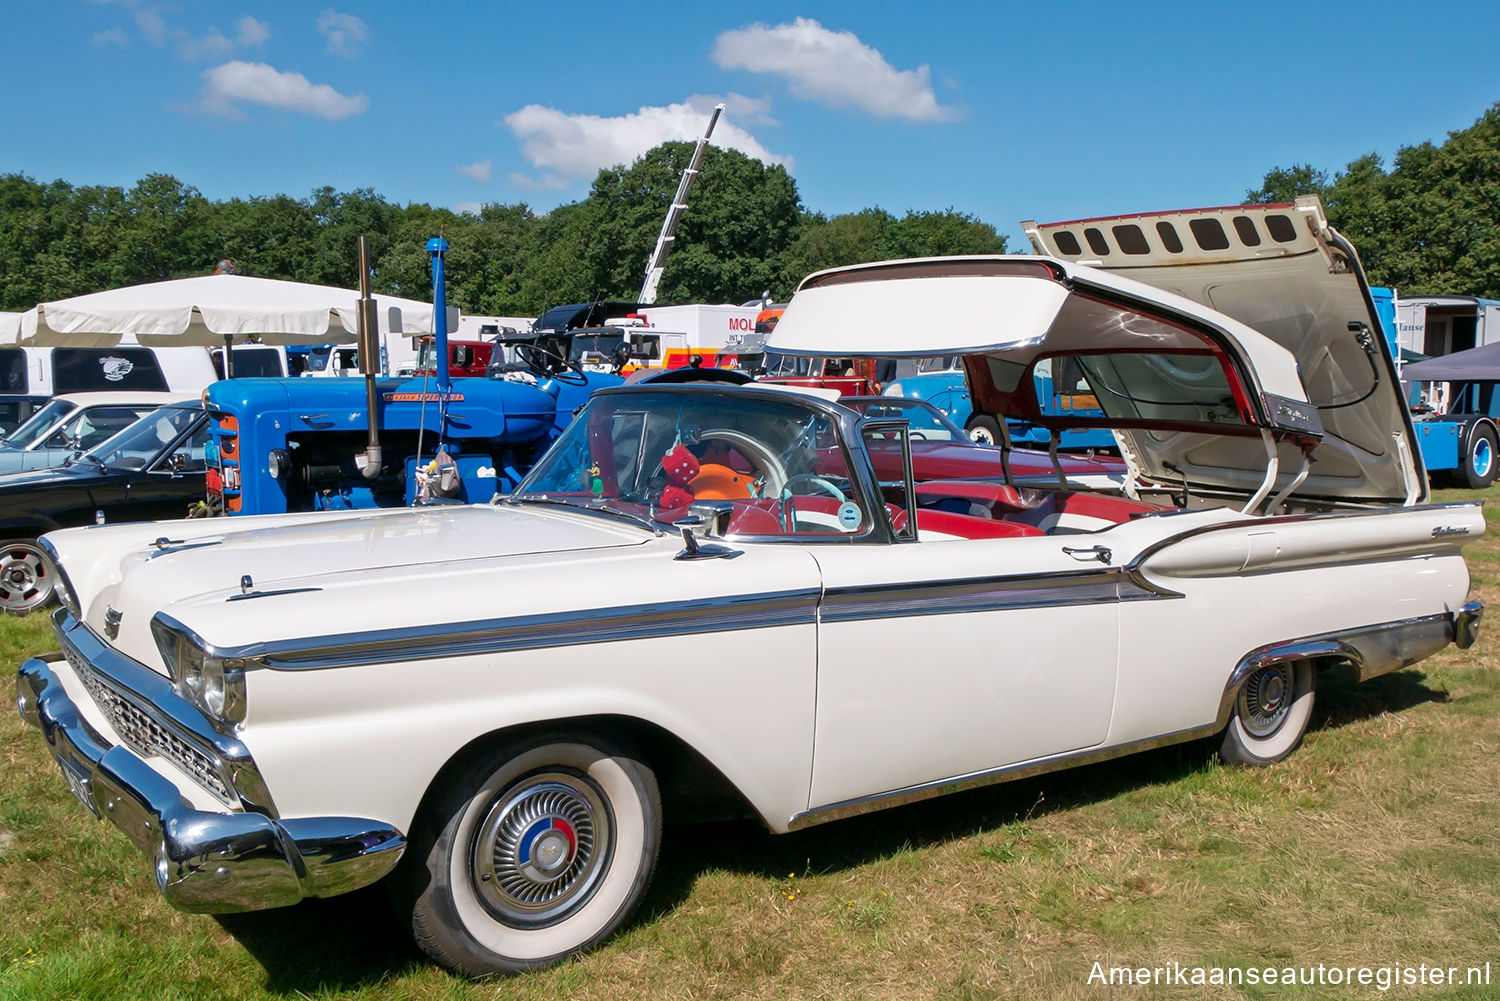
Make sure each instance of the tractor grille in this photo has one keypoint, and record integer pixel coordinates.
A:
(148, 736)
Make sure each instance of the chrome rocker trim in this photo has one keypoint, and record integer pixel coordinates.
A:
(1371, 650)
(204, 862)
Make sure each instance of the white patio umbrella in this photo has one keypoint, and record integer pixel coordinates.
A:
(206, 310)
(10, 328)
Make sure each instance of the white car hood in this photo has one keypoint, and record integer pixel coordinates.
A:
(316, 573)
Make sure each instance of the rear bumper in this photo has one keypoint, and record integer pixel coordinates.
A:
(1371, 650)
(1383, 649)
(204, 861)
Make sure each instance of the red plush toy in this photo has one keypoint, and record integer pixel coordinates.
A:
(680, 466)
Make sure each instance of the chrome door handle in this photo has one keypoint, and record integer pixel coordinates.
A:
(1100, 553)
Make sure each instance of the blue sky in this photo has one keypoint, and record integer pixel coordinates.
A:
(1004, 110)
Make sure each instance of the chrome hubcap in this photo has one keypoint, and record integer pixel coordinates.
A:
(1266, 699)
(541, 849)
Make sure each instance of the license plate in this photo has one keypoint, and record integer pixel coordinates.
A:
(80, 786)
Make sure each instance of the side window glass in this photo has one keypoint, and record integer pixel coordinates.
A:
(816, 495)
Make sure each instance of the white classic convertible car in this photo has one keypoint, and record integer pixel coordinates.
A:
(710, 592)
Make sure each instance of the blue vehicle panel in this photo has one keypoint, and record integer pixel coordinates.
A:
(947, 391)
(282, 445)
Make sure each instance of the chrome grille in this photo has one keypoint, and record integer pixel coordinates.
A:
(146, 735)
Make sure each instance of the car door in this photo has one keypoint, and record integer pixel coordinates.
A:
(946, 657)
(172, 482)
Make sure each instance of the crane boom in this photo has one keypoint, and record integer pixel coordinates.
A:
(674, 214)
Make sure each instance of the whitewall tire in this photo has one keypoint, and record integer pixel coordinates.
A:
(532, 854)
(1271, 713)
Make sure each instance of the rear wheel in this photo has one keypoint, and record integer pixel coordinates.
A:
(983, 429)
(1270, 714)
(1479, 464)
(532, 854)
(26, 576)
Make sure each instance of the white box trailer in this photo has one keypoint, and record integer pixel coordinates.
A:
(1443, 324)
(694, 329)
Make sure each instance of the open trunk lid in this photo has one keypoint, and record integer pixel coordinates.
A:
(1283, 271)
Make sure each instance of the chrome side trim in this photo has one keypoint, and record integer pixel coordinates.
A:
(522, 632)
(650, 621)
(154, 696)
(1286, 519)
(204, 862)
(985, 594)
(1371, 650)
(1008, 773)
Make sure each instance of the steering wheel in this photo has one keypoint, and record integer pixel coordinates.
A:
(785, 503)
(767, 467)
(548, 363)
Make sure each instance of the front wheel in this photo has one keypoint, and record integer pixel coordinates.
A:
(985, 430)
(533, 854)
(1479, 464)
(27, 576)
(1271, 714)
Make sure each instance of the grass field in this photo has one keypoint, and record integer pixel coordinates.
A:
(1374, 844)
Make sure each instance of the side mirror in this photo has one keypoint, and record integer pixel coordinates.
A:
(713, 518)
(705, 519)
(178, 462)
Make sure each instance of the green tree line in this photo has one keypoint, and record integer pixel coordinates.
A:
(1428, 226)
(745, 232)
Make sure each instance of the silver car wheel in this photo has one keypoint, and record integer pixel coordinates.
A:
(26, 576)
(1265, 700)
(539, 851)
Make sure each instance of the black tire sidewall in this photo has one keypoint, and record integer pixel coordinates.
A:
(987, 424)
(1472, 478)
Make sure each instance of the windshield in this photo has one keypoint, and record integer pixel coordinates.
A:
(91, 426)
(595, 349)
(780, 366)
(137, 446)
(40, 423)
(649, 455)
(927, 422)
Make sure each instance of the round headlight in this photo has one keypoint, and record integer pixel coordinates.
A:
(278, 463)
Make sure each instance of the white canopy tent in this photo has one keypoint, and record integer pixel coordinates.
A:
(206, 310)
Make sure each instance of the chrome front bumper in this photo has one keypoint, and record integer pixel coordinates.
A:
(205, 861)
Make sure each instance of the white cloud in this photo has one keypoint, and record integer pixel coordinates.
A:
(479, 171)
(251, 31)
(473, 208)
(345, 32)
(547, 182)
(239, 82)
(834, 68)
(213, 45)
(153, 26)
(566, 148)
